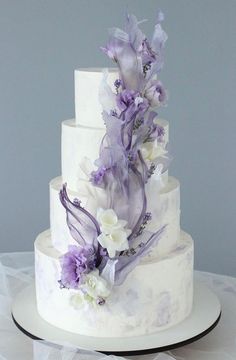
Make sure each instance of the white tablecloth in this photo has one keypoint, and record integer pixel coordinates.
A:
(17, 271)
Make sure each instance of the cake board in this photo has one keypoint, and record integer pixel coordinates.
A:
(204, 317)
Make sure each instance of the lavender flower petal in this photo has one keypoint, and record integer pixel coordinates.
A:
(83, 227)
(126, 264)
(136, 36)
(159, 38)
(137, 198)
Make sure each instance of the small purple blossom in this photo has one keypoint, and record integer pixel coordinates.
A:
(138, 123)
(77, 202)
(100, 301)
(97, 176)
(146, 68)
(146, 218)
(148, 55)
(151, 170)
(76, 262)
(132, 156)
(117, 84)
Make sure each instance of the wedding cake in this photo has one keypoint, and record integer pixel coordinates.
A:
(115, 262)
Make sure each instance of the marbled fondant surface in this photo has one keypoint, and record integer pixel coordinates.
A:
(156, 295)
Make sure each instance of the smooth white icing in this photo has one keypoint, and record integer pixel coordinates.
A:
(88, 110)
(156, 295)
(78, 142)
(165, 210)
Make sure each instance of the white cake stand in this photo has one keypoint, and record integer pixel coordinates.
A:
(204, 317)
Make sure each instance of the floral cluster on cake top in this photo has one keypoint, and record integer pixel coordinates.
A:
(111, 244)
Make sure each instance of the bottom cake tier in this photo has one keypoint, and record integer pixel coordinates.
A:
(156, 295)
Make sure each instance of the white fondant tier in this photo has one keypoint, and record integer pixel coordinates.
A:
(156, 295)
(165, 209)
(88, 110)
(79, 142)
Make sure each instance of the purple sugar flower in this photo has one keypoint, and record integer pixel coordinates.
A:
(132, 102)
(155, 93)
(126, 98)
(76, 262)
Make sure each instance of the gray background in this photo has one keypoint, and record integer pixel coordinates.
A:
(42, 42)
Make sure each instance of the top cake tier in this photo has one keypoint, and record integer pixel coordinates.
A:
(88, 110)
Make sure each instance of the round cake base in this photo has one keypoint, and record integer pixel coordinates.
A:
(203, 318)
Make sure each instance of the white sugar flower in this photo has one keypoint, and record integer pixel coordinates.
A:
(151, 150)
(115, 241)
(95, 286)
(114, 236)
(77, 300)
(109, 220)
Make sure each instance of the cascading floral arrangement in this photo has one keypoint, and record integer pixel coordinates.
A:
(132, 150)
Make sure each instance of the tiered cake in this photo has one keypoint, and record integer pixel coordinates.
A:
(115, 262)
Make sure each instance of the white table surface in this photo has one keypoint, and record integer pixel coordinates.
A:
(17, 271)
